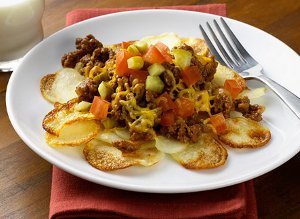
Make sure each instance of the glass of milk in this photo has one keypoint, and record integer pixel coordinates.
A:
(20, 27)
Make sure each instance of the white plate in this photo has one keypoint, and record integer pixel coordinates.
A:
(26, 106)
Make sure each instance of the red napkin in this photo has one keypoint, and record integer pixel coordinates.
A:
(72, 197)
(86, 13)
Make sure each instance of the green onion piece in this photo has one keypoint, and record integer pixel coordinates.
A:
(182, 58)
(83, 106)
(135, 62)
(108, 123)
(155, 84)
(104, 90)
(156, 69)
(141, 46)
(133, 50)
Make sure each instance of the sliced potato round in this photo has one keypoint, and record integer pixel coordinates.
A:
(63, 114)
(245, 133)
(119, 138)
(199, 45)
(206, 153)
(168, 145)
(146, 155)
(76, 133)
(60, 87)
(223, 73)
(253, 93)
(105, 157)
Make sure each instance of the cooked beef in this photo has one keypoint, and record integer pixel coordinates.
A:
(209, 70)
(89, 51)
(140, 136)
(86, 90)
(151, 96)
(87, 44)
(70, 59)
(182, 131)
(166, 77)
(248, 110)
(222, 103)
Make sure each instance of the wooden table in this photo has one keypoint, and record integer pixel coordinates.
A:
(25, 178)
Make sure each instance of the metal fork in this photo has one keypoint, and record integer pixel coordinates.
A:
(238, 59)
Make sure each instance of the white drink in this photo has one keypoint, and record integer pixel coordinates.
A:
(20, 27)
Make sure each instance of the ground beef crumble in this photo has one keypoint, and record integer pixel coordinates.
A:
(248, 110)
(182, 131)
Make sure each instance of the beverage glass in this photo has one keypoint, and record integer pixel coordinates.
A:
(20, 29)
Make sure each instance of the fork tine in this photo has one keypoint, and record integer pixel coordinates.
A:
(238, 45)
(228, 45)
(211, 46)
(221, 48)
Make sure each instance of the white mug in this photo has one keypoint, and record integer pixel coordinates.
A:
(20, 27)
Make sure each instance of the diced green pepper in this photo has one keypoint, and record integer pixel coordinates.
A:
(135, 62)
(182, 58)
(155, 84)
(141, 45)
(108, 123)
(83, 106)
(156, 69)
(104, 90)
(133, 50)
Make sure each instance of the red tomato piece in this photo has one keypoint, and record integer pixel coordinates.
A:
(99, 107)
(167, 118)
(153, 55)
(165, 102)
(139, 74)
(191, 75)
(184, 107)
(121, 62)
(219, 123)
(165, 51)
(124, 45)
(232, 87)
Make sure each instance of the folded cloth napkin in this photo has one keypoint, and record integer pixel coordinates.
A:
(72, 197)
(86, 13)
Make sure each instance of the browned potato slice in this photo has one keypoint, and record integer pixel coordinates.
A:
(64, 114)
(245, 133)
(169, 146)
(119, 138)
(60, 86)
(146, 155)
(199, 45)
(223, 73)
(206, 153)
(104, 156)
(76, 133)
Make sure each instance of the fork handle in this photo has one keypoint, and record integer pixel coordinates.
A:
(290, 99)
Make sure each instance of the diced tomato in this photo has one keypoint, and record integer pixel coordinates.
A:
(121, 62)
(232, 87)
(153, 55)
(124, 45)
(167, 118)
(184, 107)
(139, 74)
(191, 75)
(219, 123)
(165, 102)
(99, 107)
(164, 50)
